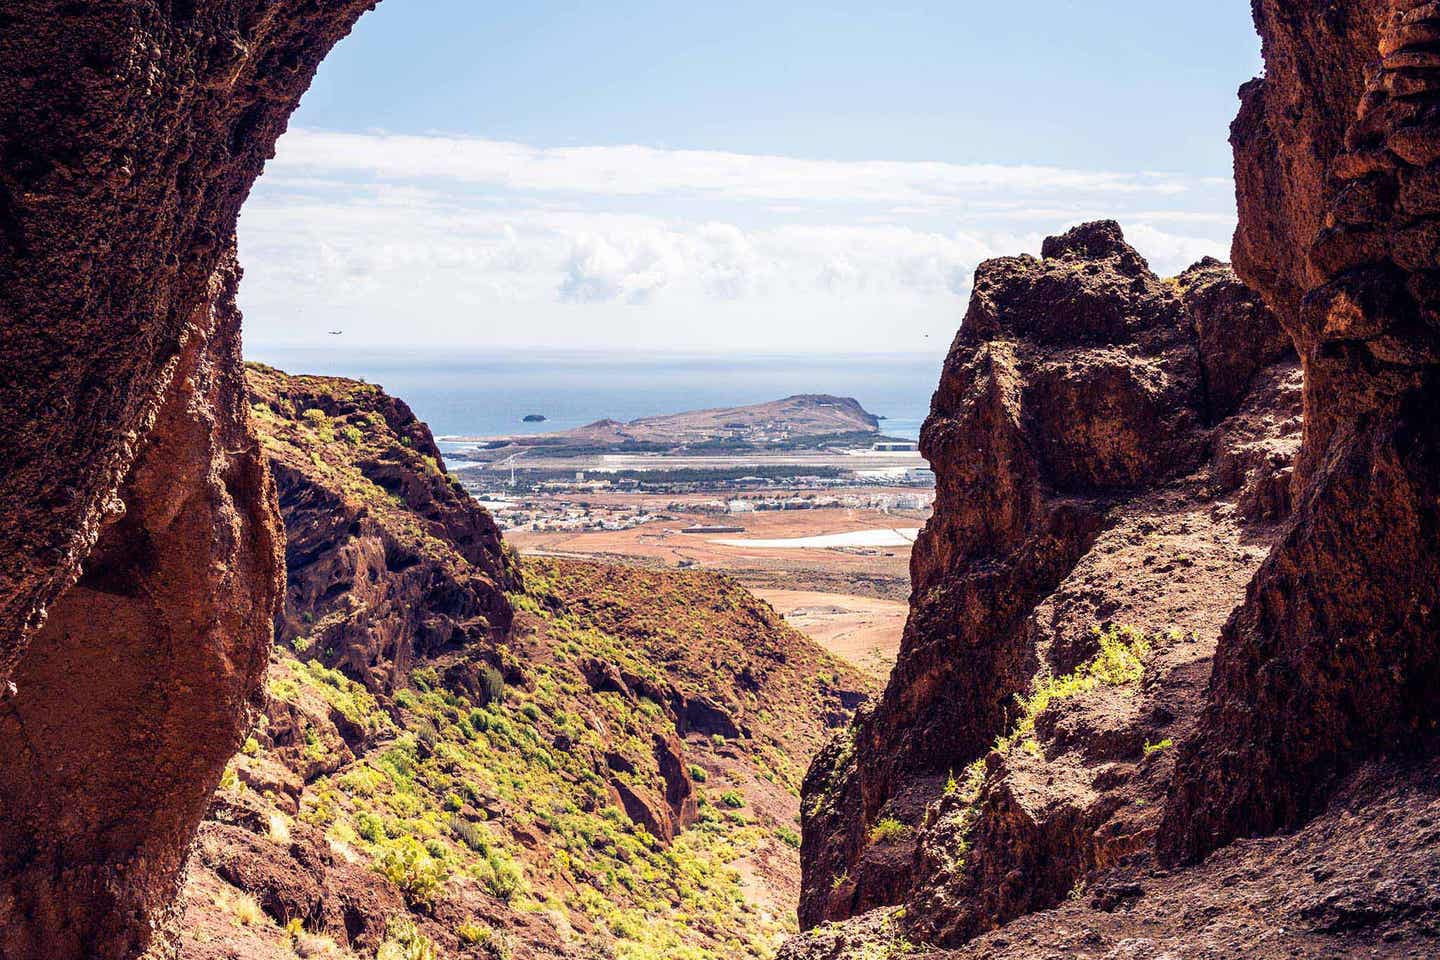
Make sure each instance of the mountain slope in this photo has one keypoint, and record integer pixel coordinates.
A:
(387, 559)
(616, 773)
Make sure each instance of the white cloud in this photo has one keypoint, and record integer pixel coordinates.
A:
(635, 171)
(447, 240)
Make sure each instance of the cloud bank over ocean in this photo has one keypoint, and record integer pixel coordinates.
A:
(446, 239)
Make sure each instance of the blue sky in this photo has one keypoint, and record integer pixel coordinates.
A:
(740, 176)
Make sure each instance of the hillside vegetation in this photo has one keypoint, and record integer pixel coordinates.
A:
(615, 775)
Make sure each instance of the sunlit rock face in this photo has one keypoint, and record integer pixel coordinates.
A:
(1088, 411)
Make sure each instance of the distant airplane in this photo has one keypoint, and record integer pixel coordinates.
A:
(336, 333)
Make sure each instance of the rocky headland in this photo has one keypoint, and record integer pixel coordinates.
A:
(809, 421)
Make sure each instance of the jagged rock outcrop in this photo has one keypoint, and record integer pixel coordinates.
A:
(1334, 656)
(388, 560)
(1107, 447)
(1318, 714)
(130, 134)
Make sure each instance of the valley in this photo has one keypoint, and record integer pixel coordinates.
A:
(823, 533)
(493, 757)
(1137, 662)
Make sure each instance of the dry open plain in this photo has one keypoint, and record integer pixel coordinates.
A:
(850, 598)
(863, 630)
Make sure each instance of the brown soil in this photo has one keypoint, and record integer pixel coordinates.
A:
(863, 630)
(664, 542)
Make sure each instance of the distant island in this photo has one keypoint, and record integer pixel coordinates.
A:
(810, 421)
(534, 418)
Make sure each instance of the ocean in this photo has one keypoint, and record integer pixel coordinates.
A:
(464, 393)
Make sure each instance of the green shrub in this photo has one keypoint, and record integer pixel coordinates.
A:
(506, 879)
(1165, 744)
(492, 685)
(473, 835)
(404, 941)
(1121, 660)
(887, 829)
(406, 863)
(698, 774)
(320, 423)
(732, 799)
(425, 732)
(369, 827)
(477, 933)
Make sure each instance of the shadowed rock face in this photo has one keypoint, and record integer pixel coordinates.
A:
(1319, 712)
(388, 561)
(1334, 656)
(1077, 384)
(132, 694)
(134, 505)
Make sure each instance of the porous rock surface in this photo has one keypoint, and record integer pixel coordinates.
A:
(1333, 658)
(1289, 809)
(134, 506)
(1087, 476)
(132, 693)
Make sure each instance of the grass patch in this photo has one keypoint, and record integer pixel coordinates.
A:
(1120, 660)
(887, 829)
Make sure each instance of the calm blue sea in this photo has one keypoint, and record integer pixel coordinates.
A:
(488, 394)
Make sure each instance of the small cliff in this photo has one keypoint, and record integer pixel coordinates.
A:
(388, 560)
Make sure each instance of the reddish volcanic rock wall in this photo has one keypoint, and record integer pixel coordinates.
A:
(133, 694)
(130, 133)
(1334, 657)
(1078, 384)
